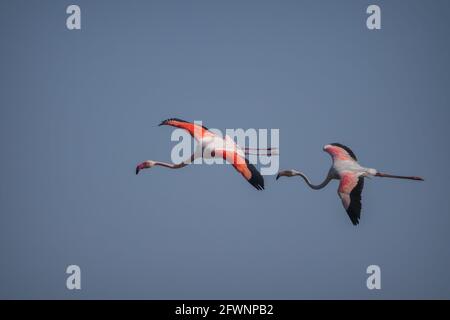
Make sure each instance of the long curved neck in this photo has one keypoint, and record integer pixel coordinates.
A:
(312, 186)
(179, 165)
(170, 165)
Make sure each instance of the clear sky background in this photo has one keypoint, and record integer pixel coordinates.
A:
(79, 109)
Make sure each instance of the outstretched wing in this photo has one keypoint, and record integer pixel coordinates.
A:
(349, 191)
(197, 131)
(344, 150)
(243, 166)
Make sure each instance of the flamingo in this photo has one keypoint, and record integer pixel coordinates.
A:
(211, 145)
(351, 175)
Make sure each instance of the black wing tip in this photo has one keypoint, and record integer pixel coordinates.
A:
(349, 151)
(164, 122)
(354, 213)
(355, 220)
(354, 210)
(257, 179)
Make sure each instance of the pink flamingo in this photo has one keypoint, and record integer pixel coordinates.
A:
(351, 175)
(212, 145)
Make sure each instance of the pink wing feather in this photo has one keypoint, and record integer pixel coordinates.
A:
(349, 191)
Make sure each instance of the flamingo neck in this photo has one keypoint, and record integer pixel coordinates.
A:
(313, 186)
(169, 165)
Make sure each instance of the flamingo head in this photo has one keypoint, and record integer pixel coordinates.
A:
(145, 165)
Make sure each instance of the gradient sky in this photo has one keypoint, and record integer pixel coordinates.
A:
(79, 109)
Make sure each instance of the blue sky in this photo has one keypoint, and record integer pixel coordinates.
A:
(79, 110)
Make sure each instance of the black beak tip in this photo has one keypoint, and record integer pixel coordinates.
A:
(278, 177)
(137, 170)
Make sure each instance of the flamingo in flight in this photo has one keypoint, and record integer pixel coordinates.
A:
(351, 175)
(211, 145)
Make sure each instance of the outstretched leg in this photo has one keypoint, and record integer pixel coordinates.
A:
(385, 175)
(261, 151)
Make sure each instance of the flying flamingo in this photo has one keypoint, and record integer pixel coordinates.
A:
(351, 175)
(210, 146)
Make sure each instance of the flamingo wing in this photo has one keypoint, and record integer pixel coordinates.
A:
(243, 166)
(196, 131)
(340, 152)
(349, 191)
(344, 150)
